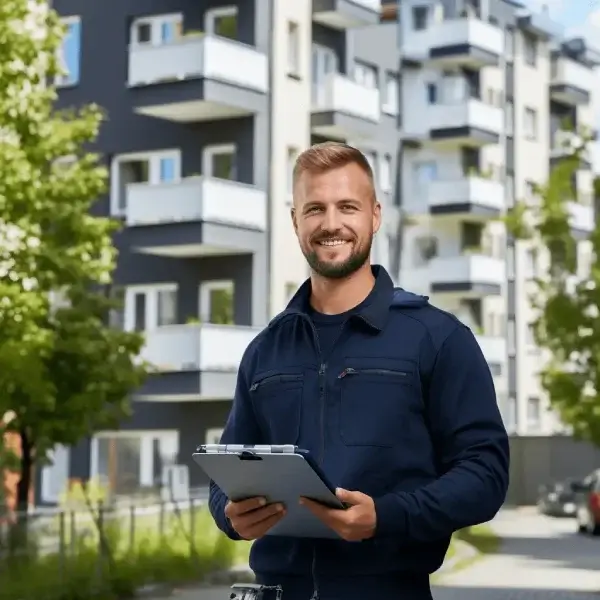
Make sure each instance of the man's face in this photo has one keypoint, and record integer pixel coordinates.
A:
(335, 218)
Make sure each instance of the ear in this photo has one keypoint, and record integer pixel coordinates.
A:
(294, 219)
(376, 217)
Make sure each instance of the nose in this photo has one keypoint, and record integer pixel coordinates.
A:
(331, 219)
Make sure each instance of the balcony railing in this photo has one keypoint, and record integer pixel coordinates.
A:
(472, 190)
(201, 56)
(197, 199)
(473, 267)
(338, 93)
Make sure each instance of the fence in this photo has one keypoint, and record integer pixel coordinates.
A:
(101, 549)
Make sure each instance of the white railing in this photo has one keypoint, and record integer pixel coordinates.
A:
(470, 112)
(475, 190)
(342, 94)
(197, 199)
(569, 72)
(197, 347)
(454, 32)
(192, 57)
(474, 267)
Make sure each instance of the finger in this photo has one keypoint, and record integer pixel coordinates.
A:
(258, 515)
(261, 528)
(243, 506)
(327, 515)
(349, 497)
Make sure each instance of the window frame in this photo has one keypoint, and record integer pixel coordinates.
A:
(206, 288)
(64, 80)
(208, 153)
(151, 292)
(155, 22)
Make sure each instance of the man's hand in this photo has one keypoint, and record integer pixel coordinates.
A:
(352, 524)
(252, 518)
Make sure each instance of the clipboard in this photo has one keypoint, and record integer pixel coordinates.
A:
(277, 473)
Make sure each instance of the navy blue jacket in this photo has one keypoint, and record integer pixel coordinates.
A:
(404, 410)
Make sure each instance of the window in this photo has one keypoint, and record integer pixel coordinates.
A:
(530, 334)
(156, 30)
(534, 412)
(432, 95)
(293, 58)
(216, 302)
(509, 43)
(419, 17)
(132, 462)
(152, 168)
(531, 263)
(509, 117)
(55, 476)
(385, 174)
(292, 155)
(70, 53)
(324, 64)
(365, 75)
(423, 174)
(220, 162)
(391, 94)
(530, 50)
(147, 308)
(530, 124)
(222, 22)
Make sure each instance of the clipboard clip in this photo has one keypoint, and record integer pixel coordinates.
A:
(249, 455)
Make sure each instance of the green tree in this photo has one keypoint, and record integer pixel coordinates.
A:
(565, 299)
(64, 372)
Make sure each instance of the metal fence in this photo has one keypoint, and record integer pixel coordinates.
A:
(81, 551)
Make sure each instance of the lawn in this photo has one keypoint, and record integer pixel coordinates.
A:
(481, 537)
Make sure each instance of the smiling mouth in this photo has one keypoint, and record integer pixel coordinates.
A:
(332, 243)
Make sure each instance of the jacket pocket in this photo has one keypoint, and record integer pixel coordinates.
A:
(277, 401)
(374, 406)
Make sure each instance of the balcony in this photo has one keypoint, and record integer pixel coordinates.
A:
(346, 14)
(493, 348)
(476, 274)
(581, 218)
(456, 42)
(195, 361)
(564, 143)
(196, 216)
(473, 196)
(571, 81)
(471, 122)
(198, 78)
(343, 109)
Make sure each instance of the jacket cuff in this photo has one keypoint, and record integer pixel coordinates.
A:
(391, 519)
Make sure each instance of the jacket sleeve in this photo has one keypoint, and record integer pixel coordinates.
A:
(471, 446)
(241, 428)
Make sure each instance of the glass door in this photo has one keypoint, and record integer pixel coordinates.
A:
(324, 63)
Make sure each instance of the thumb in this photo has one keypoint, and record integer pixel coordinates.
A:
(349, 497)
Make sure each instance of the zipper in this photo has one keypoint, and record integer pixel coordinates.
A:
(391, 372)
(281, 378)
(322, 398)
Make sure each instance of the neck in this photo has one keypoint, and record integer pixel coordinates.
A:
(336, 296)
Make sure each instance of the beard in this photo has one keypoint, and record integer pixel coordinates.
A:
(335, 269)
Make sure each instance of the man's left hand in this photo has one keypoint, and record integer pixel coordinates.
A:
(353, 524)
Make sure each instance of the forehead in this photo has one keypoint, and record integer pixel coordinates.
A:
(349, 181)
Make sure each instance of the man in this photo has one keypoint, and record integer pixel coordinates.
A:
(392, 396)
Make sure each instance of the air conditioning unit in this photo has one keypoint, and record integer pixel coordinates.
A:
(175, 483)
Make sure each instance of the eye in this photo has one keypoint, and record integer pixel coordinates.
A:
(348, 207)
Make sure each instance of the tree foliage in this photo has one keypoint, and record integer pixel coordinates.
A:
(64, 373)
(566, 296)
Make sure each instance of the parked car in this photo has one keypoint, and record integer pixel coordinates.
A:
(587, 500)
(557, 499)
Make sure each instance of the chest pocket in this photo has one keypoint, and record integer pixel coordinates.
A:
(277, 401)
(377, 404)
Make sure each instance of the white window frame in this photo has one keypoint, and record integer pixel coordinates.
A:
(531, 50)
(154, 159)
(206, 287)
(213, 435)
(363, 72)
(208, 153)
(146, 451)
(534, 424)
(151, 292)
(530, 117)
(60, 455)
(392, 84)
(212, 14)
(293, 49)
(155, 22)
(64, 80)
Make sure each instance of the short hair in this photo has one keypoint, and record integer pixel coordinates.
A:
(327, 156)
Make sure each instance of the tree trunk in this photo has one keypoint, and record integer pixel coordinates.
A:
(19, 531)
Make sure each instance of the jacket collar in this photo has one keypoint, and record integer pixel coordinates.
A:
(374, 314)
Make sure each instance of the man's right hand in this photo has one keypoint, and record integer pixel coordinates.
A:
(252, 518)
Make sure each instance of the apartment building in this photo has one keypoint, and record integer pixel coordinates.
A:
(487, 90)
(208, 105)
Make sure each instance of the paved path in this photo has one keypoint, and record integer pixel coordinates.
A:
(540, 559)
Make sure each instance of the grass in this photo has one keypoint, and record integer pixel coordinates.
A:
(481, 537)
